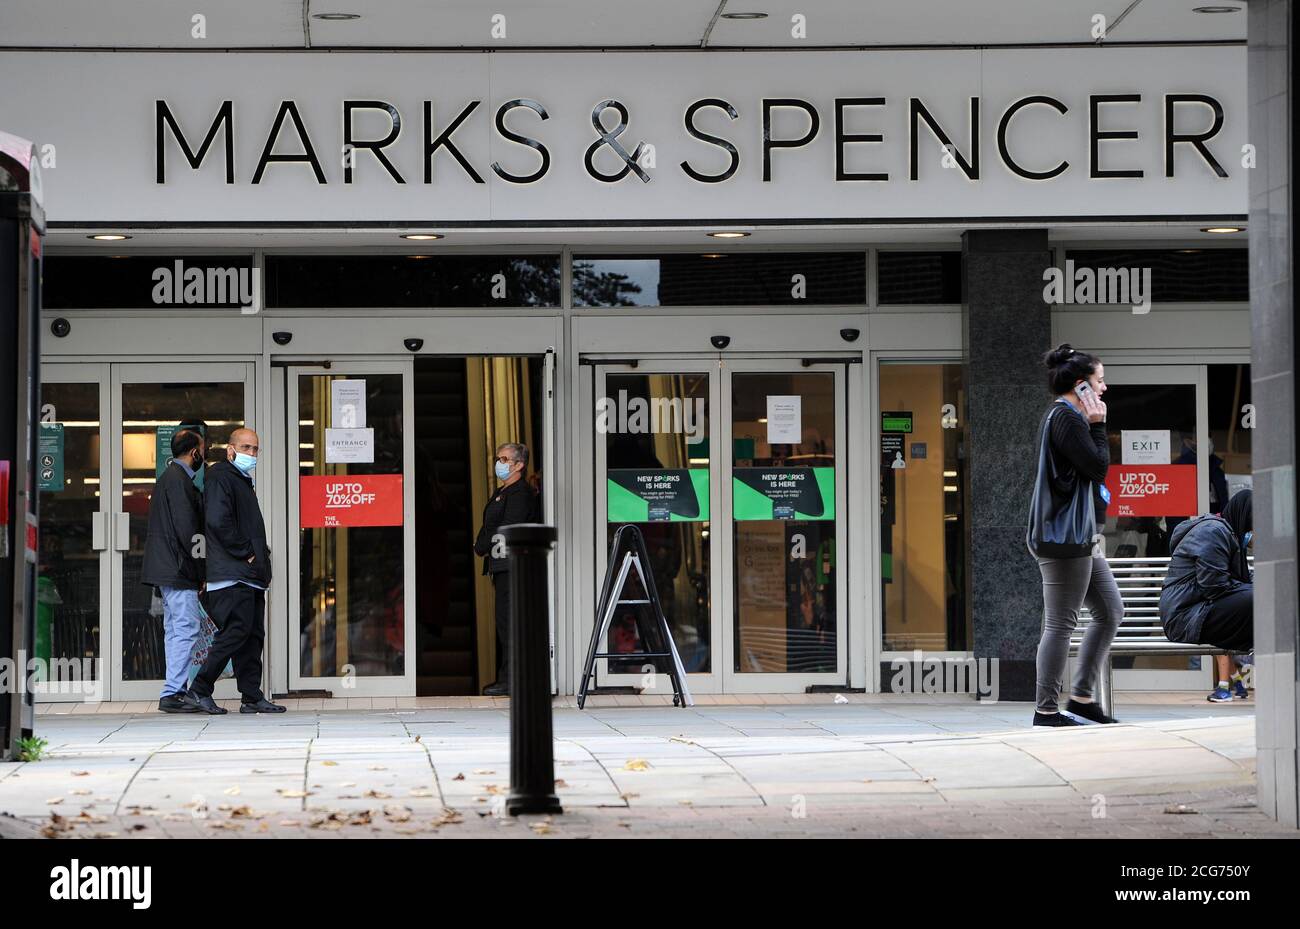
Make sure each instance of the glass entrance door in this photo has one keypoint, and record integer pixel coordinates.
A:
(105, 437)
(734, 473)
(1159, 458)
(352, 537)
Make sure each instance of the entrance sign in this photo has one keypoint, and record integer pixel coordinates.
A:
(1144, 446)
(664, 495)
(1152, 490)
(49, 457)
(783, 493)
(350, 500)
(890, 135)
(349, 446)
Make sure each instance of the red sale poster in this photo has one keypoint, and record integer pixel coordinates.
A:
(1152, 490)
(350, 500)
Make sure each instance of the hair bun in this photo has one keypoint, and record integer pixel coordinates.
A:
(1058, 355)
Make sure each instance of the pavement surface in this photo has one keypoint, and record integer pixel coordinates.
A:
(808, 768)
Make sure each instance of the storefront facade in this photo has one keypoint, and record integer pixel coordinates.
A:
(837, 407)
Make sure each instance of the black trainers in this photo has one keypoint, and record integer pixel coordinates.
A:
(261, 706)
(176, 703)
(1054, 719)
(497, 689)
(205, 704)
(1089, 711)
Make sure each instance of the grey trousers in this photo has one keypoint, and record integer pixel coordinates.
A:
(1068, 584)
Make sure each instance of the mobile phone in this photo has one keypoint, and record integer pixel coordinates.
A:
(1084, 390)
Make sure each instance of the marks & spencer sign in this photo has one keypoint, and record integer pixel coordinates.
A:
(573, 137)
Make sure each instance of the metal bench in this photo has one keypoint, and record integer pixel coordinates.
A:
(1140, 633)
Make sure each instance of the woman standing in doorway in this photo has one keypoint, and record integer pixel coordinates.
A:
(1065, 518)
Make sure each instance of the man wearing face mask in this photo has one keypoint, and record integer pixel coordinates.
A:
(239, 571)
(514, 502)
(171, 563)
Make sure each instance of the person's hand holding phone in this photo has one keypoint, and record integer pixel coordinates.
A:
(1094, 409)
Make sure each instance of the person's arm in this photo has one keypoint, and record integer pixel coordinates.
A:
(518, 509)
(1082, 444)
(219, 518)
(1212, 573)
(483, 543)
(185, 522)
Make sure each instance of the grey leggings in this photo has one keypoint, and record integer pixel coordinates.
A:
(1068, 584)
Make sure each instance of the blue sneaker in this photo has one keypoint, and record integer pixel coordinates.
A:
(1220, 695)
(1239, 690)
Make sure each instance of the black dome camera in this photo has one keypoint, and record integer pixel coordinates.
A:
(413, 345)
(720, 341)
(60, 327)
(850, 335)
(282, 338)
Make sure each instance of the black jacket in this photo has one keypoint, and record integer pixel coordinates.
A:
(1207, 562)
(234, 528)
(514, 504)
(1080, 450)
(175, 521)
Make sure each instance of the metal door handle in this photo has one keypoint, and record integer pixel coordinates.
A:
(99, 531)
(122, 532)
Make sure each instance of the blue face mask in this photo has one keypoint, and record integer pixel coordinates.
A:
(502, 470)
(245, 463)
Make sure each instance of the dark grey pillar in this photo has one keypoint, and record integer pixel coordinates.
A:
(1273, 389)
(1006, 328)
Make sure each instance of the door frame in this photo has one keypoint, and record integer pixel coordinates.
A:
(386, 686)
(118, 529)
(1120, 374)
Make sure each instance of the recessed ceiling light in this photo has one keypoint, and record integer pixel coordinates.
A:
(728, 235)
(1222, 230)
(712, 255)
(108, 237)
(1215, 9)
(417, 257)
(422, 236)
(744, 16)
(335, 17)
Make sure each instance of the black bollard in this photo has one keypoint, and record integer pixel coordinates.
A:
(532, 754)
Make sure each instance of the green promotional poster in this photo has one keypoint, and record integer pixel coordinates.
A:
(636, 495)
(163, 448)
(49, 457)
(783, 493)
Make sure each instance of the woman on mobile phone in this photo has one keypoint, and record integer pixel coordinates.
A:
(1066, 516)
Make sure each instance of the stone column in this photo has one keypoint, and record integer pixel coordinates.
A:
(1006, 328)
(1273, 389)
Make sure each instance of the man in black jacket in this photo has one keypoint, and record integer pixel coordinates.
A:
(514, 502)
(1209, 593)
(239, 571)
(173, 562)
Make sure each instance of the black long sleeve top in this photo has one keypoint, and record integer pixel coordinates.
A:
(1079, 449)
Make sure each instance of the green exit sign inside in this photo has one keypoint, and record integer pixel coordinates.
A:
(896, 422)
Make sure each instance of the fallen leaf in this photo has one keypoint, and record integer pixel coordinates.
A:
(54, 801)
(637, 764)
(286, 792)
(225, 824)
(484, 771)
(459, 777)
(378, 767)
(1181, 808)
(397, 814)
(541, 828)
(561, 782)
(378, 795)
(81, 774)
(80, 793)
(330, 764)
(289, 822)
(260, 771)
(348, 784)
(840, 698)
(420, 792)
(417, 738)
(493, 788)
(231, 791)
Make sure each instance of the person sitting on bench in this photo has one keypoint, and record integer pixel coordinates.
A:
(1209, 593)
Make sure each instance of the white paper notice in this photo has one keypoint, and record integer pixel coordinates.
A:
(784, 420)
(349, 446)
(1144, 446)
(348, 404)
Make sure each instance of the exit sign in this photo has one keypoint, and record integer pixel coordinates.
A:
(896, 421)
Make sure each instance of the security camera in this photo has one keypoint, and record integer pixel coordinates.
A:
(720, 341)
(849, 335)
(413, 345)
(60, 327)
(282, 338)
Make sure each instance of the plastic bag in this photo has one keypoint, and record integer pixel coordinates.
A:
(207, 631)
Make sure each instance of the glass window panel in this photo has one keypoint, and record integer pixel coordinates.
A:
(352, 607)
(130, 281)
(918, 277)
(660, 424)
(218, 410)
(1182, 275)
(67, 592)
(783, 521)
(923, 509)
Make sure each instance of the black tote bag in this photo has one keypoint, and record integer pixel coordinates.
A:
(1066, 532)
